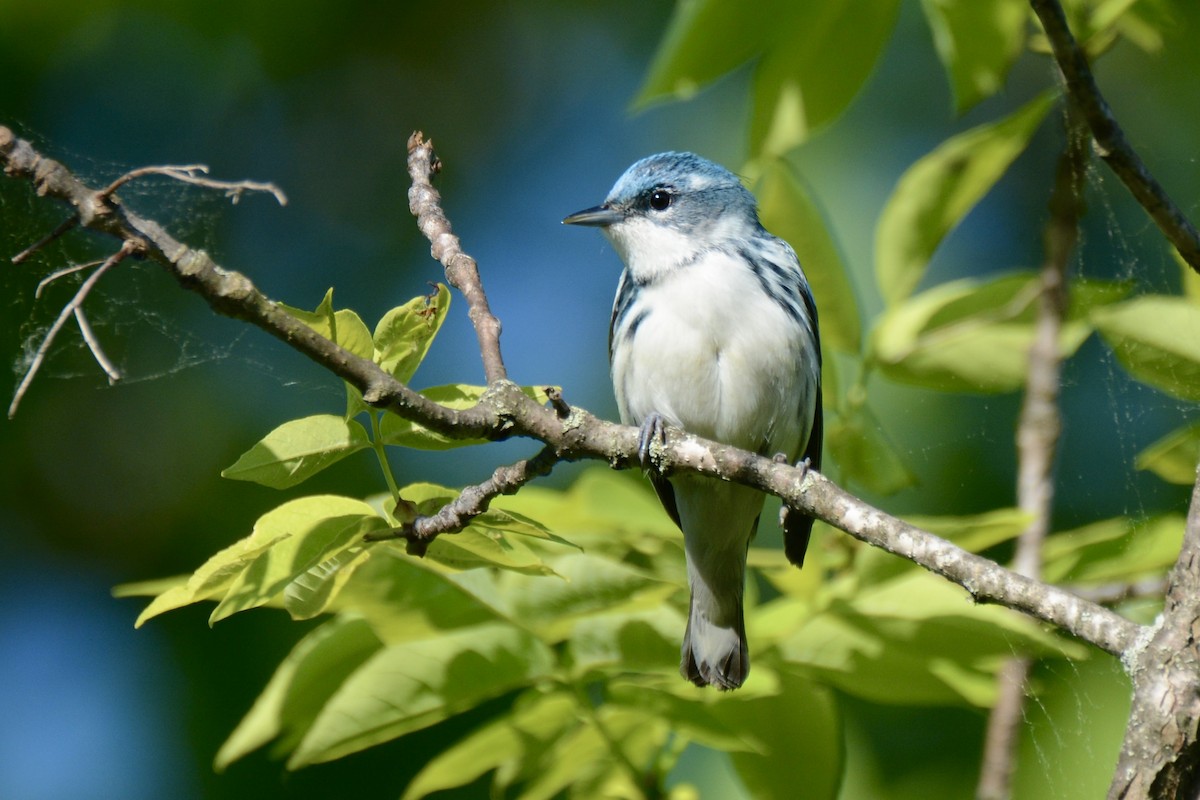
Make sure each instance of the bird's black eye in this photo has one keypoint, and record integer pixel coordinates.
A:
(660, 199)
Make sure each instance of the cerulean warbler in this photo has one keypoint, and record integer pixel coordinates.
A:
(714, 331)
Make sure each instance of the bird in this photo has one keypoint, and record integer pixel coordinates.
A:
(713, 331)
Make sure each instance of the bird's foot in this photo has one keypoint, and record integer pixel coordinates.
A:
(653, 433)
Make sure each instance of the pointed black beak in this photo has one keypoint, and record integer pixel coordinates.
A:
(598, 217)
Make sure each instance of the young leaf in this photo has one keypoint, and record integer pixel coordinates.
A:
(305, 532)
(1114, 550)
(937, 191)
(343, 327)
(861, 449)
(977, 42)
(789, 211)
(403, 336)
(298, 449)
(412, 685)
(300, 687)
(1173, 457)
(1157, 339)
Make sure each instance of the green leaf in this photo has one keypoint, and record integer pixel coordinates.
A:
(297, 450)
(692, 714)
(403, 597)
(917, 639)
(403, 336)
(1113, 550)
(795, 92)
(977, 41)
(1154, 338)
(788, 209)
(401, 432)
(343, 327)
(511, 745)
(862, 451)
(802, 718)
(974, 335)
(304, 532)
(412, 685)
(643, 641)
(936, 192)
(1173, 457)
(300, 687)
(211, 580)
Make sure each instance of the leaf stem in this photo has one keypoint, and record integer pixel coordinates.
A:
(381, 454)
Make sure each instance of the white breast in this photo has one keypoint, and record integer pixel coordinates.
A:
(717, 357)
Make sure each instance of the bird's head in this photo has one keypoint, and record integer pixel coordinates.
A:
(669, 208)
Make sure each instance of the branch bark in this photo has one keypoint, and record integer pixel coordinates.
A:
(1110, 141)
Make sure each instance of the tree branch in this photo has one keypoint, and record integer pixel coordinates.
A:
(462, 272)
(1110, 141)
(1038, 431)
(506, 411)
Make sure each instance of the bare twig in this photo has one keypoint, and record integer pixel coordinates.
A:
(1111, 144)
(187, 173)
(462, 272)
(1038, 431)
(64, 226)
(473, 501)
(506, 411)
(89, 337)
(127, 248)
(62, 273)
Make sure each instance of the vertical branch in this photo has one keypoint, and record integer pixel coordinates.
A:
(461, 270)
(1111, 144)
(1038, 431)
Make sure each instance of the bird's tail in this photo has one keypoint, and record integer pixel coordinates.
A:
(715, 653)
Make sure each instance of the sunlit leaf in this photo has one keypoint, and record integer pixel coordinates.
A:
(1113, 550)
(297, 450)
(302, 684)
(974, 335)
(344, 327)
(404, 335)
(789, 211)
(1174, 457)
(795, 92)
(512, 745)
(1157, 339)
(412, 685)
(977, 42)
(304, 532)
(646, 640)
(936, 192)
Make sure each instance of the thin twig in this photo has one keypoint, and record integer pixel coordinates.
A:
(127, 248)
(187, 173)
(1038, 431)
(89, 336)
(62, 227)
(1111, 144)
(1113, 593)
(473, 501)
(462, 272)
(62, 273)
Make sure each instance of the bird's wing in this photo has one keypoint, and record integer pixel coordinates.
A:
(666, 496)
(797, 527)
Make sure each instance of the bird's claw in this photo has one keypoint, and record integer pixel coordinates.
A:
(653, 432)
